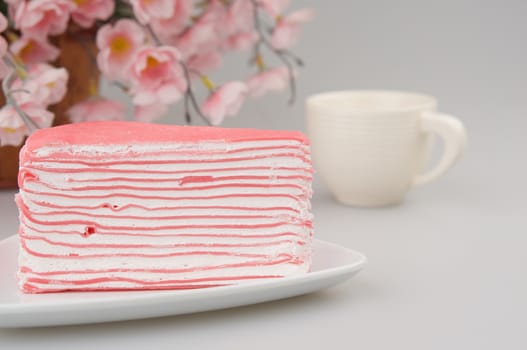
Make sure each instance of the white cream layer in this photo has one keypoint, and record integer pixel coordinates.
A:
(208, 148)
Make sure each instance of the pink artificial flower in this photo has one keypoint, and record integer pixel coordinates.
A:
(287, 28)
(3, 23)
(40, 115)
(4, 70)
(166, 28)
(34, 50)
(86, 12)
(149, 113)
(204, 34)
(201, 35)
(117, 45)
(147, 10)
(275, 7)
(96, 108)
(224, 101)
(240, 41)
(46, 85)
(43, 17)
(239, 26)
(157, 76)
(13, 129)
(204, 61)
(240, 15)
(275, 79)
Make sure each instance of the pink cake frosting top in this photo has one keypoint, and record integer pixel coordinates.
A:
(123, 132)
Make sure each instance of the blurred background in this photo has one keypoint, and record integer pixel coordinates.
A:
(470, 54)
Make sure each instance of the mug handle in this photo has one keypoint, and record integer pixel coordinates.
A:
(454, 136)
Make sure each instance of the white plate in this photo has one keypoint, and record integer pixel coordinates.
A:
(331, 264)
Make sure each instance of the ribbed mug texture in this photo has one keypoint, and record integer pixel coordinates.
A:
(367, 157)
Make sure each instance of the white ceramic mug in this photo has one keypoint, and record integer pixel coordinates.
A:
(370, 147)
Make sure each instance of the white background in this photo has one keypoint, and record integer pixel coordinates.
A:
(447, 268)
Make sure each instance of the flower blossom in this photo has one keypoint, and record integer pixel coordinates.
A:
(224, 101)
(275, 79)
(240, 40)
(147, 10)
(3, 23)
(275, 7)
(46, 85)
(157, 76)
(4, 70)
(287, 29)
(43, 17)
(117, 45)
(34, 50)
(12, 128)
(239, 26)
(86, 12)
(149, 113)
(203, 35)
(94, 109)
(166, 28)
(204, 61)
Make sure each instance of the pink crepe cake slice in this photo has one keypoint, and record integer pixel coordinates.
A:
(123, 205)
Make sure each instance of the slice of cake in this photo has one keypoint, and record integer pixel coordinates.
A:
(123, 205)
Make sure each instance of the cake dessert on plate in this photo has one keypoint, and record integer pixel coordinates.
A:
(124, 206)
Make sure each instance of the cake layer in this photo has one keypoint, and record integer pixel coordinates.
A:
(113, 153)
(38, 203)
(114, 205)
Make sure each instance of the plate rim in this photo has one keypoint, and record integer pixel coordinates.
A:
(163, 296)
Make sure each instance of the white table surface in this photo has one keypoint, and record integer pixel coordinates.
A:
(446, 271)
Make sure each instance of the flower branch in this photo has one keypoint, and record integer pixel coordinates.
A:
(189, 93)
(28, 93)
(262, 40)
(11, 101)
(189, 96)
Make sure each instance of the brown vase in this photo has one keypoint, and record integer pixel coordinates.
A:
(76, 55)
